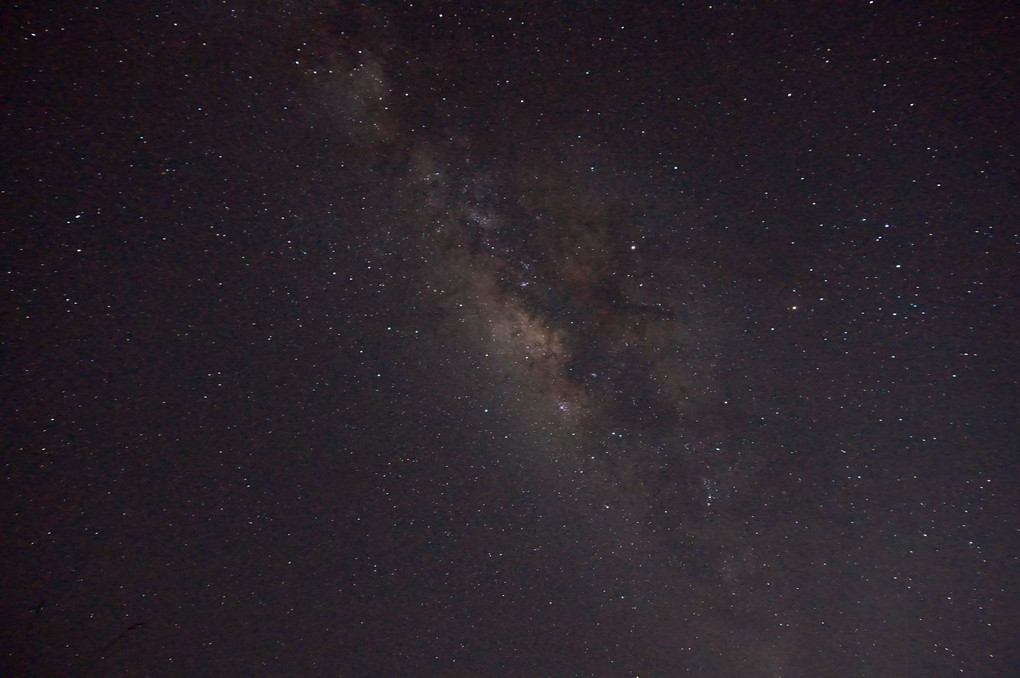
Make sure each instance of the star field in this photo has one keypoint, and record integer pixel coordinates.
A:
(460, 339)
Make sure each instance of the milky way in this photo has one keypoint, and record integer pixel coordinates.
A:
(596, 345)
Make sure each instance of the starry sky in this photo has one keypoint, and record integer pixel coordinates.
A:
(509, 339)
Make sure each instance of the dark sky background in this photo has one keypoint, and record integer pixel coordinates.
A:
(537, 339)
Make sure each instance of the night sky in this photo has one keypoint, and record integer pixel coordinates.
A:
(536, 339)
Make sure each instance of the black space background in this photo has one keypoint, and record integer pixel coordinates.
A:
(545, 339)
